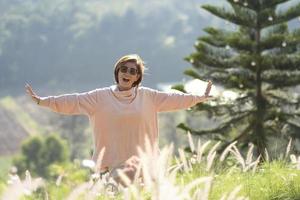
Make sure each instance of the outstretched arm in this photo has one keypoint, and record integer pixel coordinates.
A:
(77, 103)
(166, 101)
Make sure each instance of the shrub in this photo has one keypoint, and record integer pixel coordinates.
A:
(38, 153)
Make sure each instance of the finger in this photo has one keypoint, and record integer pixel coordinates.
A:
(27, 85)
(209, 84)
(31, 92)
(208, 88)
(28, 92)
(207, 93)
(29, 89)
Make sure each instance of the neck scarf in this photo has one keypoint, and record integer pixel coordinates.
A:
(126, 95)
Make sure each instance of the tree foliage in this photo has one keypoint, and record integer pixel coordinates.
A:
(73, 44)
(38, 153)
(260, 61)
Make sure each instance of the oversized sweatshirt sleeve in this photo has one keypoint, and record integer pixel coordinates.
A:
(72, 104)
(169, 101)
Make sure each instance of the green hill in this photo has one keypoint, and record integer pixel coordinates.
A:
(15, 125)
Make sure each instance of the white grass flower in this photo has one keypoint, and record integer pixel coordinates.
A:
(160, 178)
(99, 160)
(157, 177)
(288, 148)
(13, 170)
(9, 182)
(146, 175)
(123, 177)
(249, 154)
(95, 176)
(183, 159)
(20, 187)
(27, 192)
(173, 173)
(193, 159)
(298, 163)
(27, 176)
(293, 158)
(165, 190)
(295, 161)
(14, 178)
(213, 149)
(211, 156)
(190, 165)
(210, 160)
(137, 175)
(234, 193)
(267, 157)
(255, 164)
(59, 179)
(201, 149)
(79, 190)
(88, 163)
(185, 194)
(238, 156)
(226, 151)
(191, 142)
(95, 188)
(207, 188)
(224, 196)
(28, 183)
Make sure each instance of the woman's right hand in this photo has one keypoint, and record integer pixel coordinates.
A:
(32, 94)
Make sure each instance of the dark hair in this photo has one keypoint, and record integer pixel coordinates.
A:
(131, 58)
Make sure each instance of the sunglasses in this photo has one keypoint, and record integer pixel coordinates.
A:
(132, 71)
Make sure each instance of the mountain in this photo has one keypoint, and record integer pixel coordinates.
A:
(13, 126)
(73, 44)
(21, 118)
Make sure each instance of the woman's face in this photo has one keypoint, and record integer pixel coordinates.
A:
(127, 75)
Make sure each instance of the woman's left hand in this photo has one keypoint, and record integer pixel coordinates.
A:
(208, 88)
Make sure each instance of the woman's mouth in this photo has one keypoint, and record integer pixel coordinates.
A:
(126, 80)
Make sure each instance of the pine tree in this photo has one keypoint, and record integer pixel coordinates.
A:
(260, 61)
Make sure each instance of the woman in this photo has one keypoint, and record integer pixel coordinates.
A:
(122, 115)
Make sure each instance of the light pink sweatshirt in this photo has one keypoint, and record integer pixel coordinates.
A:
(121, 119)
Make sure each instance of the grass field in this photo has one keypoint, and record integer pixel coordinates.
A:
(5, 164)
(203, 176)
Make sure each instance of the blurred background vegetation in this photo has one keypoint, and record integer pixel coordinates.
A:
(67, 46)
(63, 46)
